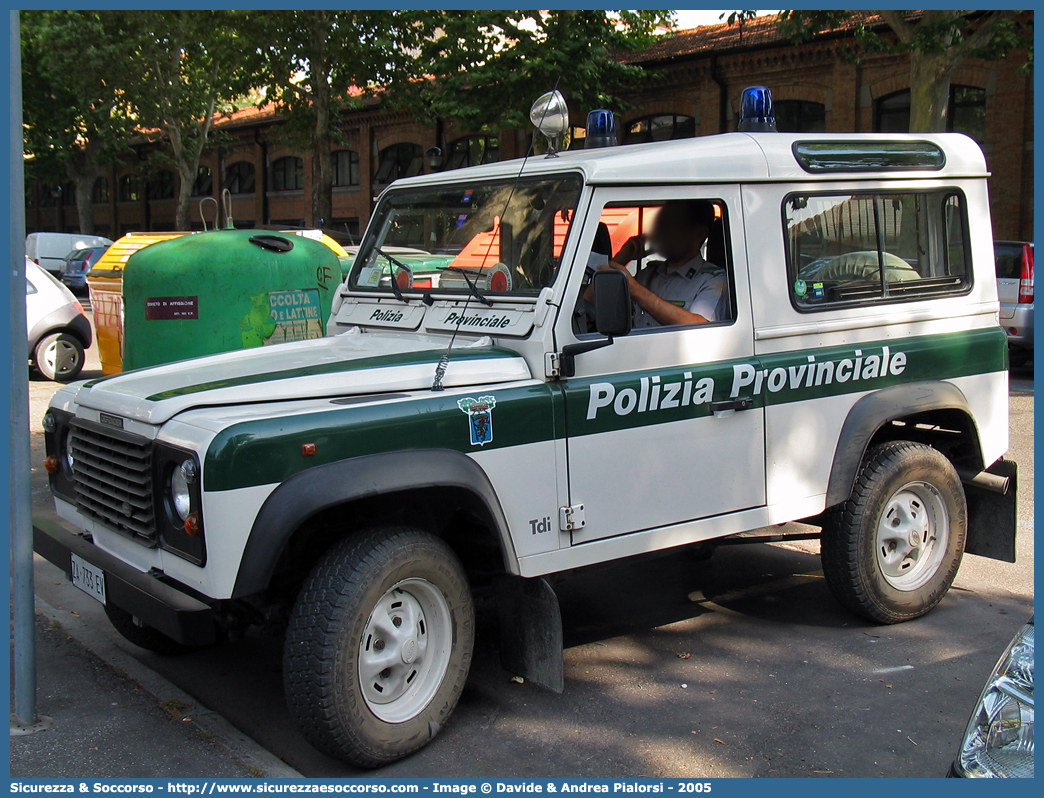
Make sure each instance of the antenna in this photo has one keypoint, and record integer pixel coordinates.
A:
(440, 369)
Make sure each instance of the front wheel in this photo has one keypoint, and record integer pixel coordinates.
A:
(379, 645)
(891, 552)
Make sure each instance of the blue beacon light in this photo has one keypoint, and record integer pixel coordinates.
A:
(601, 129)
(756, 115)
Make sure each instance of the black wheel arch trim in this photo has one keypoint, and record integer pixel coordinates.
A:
(876, 409)
(320, 488)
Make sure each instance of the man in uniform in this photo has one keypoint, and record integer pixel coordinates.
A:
(684, 288)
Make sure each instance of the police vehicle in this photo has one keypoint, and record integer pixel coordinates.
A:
(501, 419)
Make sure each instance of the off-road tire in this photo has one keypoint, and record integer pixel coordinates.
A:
(43, 358)
(145, 636)
(851, 563)
(324, 650)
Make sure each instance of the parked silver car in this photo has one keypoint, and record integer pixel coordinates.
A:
(1015, 287)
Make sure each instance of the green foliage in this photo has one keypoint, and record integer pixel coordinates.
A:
(74, 107)
(484, 68)
(184, 67)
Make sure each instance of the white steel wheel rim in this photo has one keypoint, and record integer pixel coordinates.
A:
(61, 357)
(912, 536)
(405, 650)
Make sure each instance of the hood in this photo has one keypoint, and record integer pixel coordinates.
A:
(347, 364)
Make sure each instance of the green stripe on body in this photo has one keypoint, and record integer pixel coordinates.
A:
(929, 357)
(269, 451)
(340, 367)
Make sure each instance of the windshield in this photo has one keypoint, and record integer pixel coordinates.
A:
(506, 237)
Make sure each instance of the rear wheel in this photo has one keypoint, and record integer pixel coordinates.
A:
(891, 552)
(59, 357)
(379, 645)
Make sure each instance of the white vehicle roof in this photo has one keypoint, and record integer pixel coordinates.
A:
(724, 158)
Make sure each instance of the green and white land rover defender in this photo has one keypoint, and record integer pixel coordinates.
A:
(497, 421)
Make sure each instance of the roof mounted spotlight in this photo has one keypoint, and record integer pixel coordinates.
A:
(756, 115)
(601, 129)
(550, 115)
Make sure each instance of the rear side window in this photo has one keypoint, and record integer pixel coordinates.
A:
(858, 248)
(1009, 261)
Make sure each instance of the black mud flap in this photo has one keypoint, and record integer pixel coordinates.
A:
(992, 516)
(530, 630)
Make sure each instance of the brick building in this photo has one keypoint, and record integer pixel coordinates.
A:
(702, 72)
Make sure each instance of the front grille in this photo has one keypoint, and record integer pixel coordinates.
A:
(114, 481)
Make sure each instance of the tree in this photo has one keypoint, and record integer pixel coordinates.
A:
(316, 63)
(76, 118)
(937, 42)
(487, 67)
(186, 67)
(467, 66)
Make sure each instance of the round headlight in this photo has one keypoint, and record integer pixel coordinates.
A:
(49, 424)
(180, 497)
(67, 453)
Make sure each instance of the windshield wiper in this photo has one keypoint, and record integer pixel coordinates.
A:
(485, 300)
(394, 283)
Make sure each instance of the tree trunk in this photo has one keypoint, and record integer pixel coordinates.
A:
(83, 175)
(322, 107)
(930, 75)
(322, 174)
(187, 173)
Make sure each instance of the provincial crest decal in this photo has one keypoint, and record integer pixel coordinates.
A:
(480, 418)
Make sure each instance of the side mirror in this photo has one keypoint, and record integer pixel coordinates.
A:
(612, 302)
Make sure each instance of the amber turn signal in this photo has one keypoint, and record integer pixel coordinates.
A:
(307, 449)
(192, 525)
(51, 465)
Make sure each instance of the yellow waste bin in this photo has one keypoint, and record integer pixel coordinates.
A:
(105, 283)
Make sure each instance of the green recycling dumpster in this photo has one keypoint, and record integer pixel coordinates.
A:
(222, 291)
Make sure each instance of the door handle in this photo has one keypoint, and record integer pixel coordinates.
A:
(731, 405)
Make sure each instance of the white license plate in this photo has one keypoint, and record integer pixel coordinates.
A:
(89, 578)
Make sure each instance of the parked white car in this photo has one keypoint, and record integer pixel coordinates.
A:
(50, 250)
(58, 331)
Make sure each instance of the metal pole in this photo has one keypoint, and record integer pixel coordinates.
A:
(21, 498)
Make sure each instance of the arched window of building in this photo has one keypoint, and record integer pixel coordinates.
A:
(203, 185)
(288, 174)
(800, 116)
(966, 113)
(161, 186)
(239, 177)
(130, 188)
(659, 127)
(346, 168)
(472, 151)
(399, 160)
(100, 190)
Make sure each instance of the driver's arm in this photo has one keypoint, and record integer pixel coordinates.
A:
(660, 309)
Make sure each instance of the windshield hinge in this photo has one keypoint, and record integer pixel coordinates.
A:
(571, 518)
(552, 365)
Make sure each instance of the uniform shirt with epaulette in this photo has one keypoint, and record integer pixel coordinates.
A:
(697, 286)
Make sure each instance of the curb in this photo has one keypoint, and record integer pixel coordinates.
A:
(244, 749)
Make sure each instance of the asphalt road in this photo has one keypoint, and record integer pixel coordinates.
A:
(741, 665)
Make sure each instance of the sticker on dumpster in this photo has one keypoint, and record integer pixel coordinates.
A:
(169, 308)
(279, 316)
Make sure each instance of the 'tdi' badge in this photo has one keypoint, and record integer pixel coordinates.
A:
(480, 418)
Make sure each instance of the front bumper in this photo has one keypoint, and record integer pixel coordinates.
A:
(157, 604)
